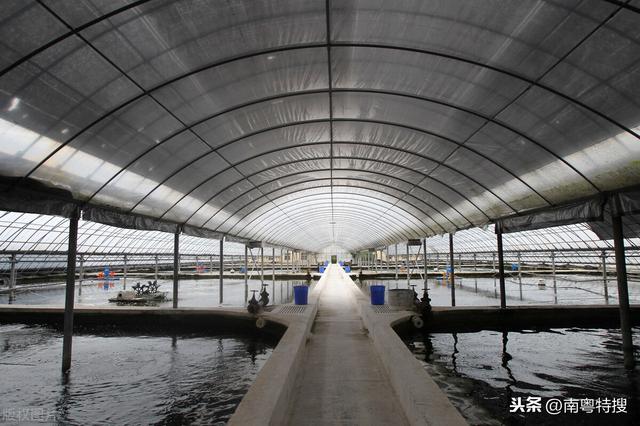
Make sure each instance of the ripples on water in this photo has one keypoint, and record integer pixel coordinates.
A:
(480, 372)
(126, 378)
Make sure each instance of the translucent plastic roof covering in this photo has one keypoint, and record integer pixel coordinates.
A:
(322, 123)
(26, 232)
(571, 237)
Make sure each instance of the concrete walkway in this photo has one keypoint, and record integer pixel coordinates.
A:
(343, 380)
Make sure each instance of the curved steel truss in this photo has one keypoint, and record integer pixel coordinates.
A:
(309, 123)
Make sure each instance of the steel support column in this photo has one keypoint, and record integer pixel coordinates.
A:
(261, 266)
(426, 263)
(453, 273)
(246, 274)
(176, 267)
(604, 277)
(13, 276)
(221, 290)
(385, 261)
(81, 275)
(124, 273)
(395, 260)
(623, 292)
(408, 269)
(553, 274)
(70, 291)
(503, 295)
(520, 274)
(493, 272)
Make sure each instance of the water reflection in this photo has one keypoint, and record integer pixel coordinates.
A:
(454, 353)
(506, 357)
(480, 372)
(129, 379)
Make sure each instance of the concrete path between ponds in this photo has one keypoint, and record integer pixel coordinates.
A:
(341, 363)
(342, 380)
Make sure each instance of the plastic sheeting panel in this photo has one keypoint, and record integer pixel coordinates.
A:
(590, 210)
(399, 119)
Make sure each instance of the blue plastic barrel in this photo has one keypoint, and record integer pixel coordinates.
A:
(321, 269)
(300, 294)
(347, 268)
(326, 263)
(377, 294)
(341, 263)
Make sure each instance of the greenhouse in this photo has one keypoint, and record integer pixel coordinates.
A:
(319, 212)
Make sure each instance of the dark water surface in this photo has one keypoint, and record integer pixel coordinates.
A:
(481, 372)
(126, 378)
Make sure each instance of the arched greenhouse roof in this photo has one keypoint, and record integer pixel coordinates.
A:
(27, 232)
(310, 124)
